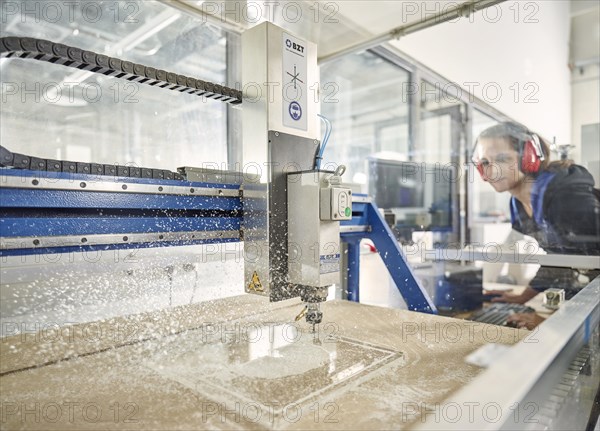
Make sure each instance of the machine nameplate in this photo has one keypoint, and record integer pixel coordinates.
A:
(329, 263)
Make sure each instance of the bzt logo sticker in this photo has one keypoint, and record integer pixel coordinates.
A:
(294, 46)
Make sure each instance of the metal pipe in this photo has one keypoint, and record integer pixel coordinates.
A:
(587, 62)
(205, 16)
(462, 10)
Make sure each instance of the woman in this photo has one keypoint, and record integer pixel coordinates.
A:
(553, 202)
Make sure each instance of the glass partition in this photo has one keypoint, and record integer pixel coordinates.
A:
(440, 126)
(58, 112)
(365, 100)
(54, 111)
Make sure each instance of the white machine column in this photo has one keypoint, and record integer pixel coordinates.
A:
(280, 135)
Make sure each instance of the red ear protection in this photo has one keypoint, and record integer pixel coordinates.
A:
(531, 156)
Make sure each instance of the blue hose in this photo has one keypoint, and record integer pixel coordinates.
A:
(328, 129)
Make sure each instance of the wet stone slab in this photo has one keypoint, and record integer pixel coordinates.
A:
(243, 363)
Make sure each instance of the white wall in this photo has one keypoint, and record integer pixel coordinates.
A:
(512, 51)
(585, 80)
(497, 48)
(586, 107)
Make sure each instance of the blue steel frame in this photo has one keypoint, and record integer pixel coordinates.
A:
(40, 213)
(368, 215)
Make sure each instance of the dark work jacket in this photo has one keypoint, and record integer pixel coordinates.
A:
(566, 220)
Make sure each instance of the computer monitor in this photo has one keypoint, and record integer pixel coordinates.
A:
(413, 190)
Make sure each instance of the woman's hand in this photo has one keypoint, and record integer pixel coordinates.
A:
(524, 320)
(504, 296)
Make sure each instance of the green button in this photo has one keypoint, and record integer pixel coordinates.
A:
(348, 211)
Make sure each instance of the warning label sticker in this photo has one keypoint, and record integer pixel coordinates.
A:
(255, 285)
(329, 263)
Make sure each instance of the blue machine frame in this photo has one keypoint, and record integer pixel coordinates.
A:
(371, 225)
(58, 212)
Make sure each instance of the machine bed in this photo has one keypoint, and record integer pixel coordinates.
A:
(241, 362)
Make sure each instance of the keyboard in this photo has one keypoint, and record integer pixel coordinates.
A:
(496, 314)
